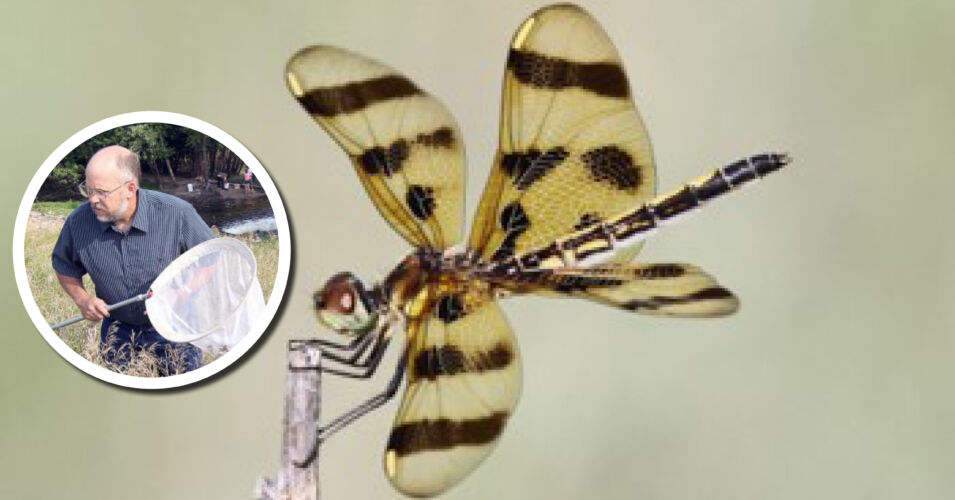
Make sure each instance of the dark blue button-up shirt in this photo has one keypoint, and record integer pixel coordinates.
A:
(125, 265)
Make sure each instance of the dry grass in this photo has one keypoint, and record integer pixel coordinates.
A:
(266, 251)
(138, 363)
(42, 230)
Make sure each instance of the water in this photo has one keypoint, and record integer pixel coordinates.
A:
(236, 215)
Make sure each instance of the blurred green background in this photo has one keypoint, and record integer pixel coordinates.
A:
(833, 382)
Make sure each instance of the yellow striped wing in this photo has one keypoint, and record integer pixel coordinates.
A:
(573, 149)
(404, 144)
(464, 380)
(680, 290)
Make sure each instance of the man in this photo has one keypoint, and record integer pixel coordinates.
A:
(124, 236)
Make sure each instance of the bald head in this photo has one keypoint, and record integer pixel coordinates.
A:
(115, 161)
(112, 178)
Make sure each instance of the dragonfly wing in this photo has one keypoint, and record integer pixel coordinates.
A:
(573, 149)
(404, 144)
(464, 380)
(680, 290)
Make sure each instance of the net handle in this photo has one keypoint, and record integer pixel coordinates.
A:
(139, 298)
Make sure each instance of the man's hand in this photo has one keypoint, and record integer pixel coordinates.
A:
(93, 308)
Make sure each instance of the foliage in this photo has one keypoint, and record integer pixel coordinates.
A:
(62, 183)
(165, 151)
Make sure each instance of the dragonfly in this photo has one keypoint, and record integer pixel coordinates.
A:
(569, 201)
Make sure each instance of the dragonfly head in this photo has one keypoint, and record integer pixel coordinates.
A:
(345, 304)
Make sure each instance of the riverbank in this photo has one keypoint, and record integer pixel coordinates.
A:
(235, 191)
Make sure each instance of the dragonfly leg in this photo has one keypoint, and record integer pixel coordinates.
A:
(344, 347)
(357, 412)
(357, 349)
(367, 367)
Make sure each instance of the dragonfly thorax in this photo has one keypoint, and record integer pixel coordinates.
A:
(408, 289)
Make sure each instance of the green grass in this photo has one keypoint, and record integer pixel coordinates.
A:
(150, 183)
(42, 231)
(56, 207)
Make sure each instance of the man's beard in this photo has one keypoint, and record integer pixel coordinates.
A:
(114, 215)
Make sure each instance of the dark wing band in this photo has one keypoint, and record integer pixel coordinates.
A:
(403, 142)
(573, 149)
(463, 384)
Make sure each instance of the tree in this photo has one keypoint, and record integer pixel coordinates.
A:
(179, 151)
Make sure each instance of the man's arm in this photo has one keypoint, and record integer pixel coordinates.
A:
(93, 308)
(69, 272)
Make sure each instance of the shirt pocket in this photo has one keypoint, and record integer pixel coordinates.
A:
(166, 256)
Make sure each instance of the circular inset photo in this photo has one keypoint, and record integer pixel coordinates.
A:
(151, 250)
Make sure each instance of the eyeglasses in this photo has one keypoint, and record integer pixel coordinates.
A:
(87, 192)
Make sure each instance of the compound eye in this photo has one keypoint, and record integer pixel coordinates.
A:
(338, 295)
(342, 305)
(346, 302)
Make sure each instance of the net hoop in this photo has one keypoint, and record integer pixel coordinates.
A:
(172, 277)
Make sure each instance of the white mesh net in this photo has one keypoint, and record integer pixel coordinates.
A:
(209, 296)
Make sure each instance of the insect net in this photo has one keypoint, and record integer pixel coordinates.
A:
(209, 296)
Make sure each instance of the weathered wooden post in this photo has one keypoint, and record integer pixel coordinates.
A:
(302, 404)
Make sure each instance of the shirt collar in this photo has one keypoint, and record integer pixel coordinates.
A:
(141, 217)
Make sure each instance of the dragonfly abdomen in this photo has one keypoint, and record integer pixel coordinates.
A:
(598, 242)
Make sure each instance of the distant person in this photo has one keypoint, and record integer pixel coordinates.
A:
(123, 237)
(247, 180)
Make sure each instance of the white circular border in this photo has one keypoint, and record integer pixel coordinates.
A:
(23, 215)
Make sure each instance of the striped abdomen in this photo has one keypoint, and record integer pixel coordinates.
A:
(600, 241)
